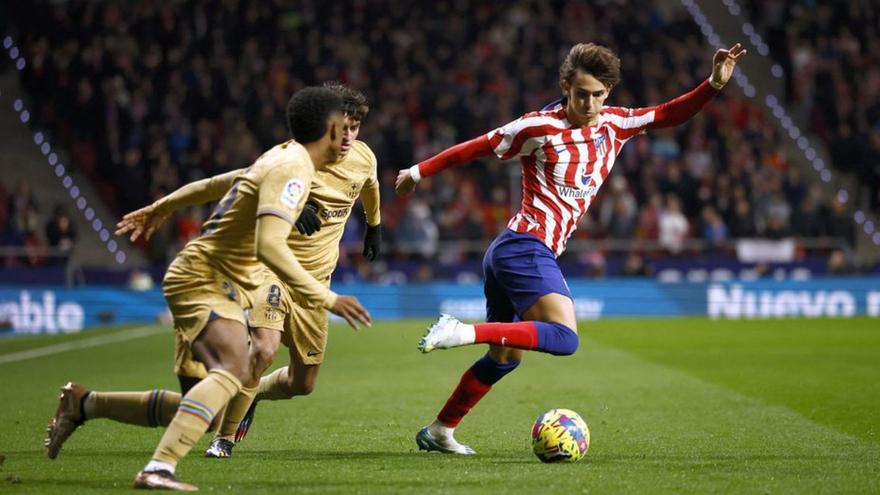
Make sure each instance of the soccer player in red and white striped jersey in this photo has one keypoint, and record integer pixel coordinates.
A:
(566, 153)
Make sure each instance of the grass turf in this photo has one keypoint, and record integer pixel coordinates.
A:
(674, 406)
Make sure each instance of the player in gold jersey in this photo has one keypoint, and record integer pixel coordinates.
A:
(276, 316)
(209, 283)
(301, 327)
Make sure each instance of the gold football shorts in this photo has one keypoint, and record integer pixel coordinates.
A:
(196, 294)
(303, 330)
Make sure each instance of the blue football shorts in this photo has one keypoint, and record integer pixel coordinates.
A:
(519, 269)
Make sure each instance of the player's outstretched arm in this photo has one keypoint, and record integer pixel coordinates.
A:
(272, 251)
(679, 110)
(451, 157)
(146, 220)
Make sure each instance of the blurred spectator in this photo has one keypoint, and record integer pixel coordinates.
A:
(23, 226)
(635, 266)
(808, 221)
(840, 223)
(776, 216)
(140, 281)
(648, 226)
(189, 226)
(60, 232)
(23, 208)
(673, 225)
(838, 264)
(618, 211)
(418, 233)
(714, 230)
(742, 224)
(776, 228)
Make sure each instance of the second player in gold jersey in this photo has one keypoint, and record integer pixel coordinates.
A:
(332, 198)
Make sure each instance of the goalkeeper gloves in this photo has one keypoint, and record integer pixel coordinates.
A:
(372, 242)
(308, 222)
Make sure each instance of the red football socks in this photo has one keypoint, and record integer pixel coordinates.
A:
(521, 334)
(466, 395)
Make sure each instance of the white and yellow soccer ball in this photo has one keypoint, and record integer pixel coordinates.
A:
(560, 435)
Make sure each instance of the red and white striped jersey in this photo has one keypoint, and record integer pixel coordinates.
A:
(563, 166)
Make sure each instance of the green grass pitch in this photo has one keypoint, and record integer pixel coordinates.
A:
(674, 406)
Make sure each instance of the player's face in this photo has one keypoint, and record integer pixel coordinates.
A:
(334, 138)
(350, 130)
(586, 95)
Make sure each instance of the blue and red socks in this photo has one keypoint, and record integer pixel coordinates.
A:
(552, 338)
(474, 384)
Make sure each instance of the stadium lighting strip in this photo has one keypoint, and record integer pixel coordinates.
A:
(777, 109)
(60, 171)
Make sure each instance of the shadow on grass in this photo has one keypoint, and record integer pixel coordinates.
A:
(320, 455)
(720, 458)
(78, 454)
(72, 485)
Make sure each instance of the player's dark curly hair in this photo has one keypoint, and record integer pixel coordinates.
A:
(354, 102)
(596, 60)
(308, 112)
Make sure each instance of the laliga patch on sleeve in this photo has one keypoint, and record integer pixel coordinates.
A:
(292, 193)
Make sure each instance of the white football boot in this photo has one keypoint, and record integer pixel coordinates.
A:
(441, 443)
(447, 332)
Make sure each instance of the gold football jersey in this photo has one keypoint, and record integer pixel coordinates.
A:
(276, 184)
(335, 190)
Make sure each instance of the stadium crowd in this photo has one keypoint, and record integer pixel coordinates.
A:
(149, 95)
(28, 236)
(830, 52)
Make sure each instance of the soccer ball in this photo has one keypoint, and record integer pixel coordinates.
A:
(560, 435)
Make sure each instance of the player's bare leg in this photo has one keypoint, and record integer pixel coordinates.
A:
(264, 345)
(295, 379)
(553, 308)
(223, 348)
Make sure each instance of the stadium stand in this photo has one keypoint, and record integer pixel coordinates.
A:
(150, 95)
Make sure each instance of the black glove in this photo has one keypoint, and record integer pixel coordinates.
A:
(308, 222)
(372, 242)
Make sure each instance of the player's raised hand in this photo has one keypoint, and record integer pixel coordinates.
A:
(349, 308)
(405, 184)
(724, 62)
(144, 222)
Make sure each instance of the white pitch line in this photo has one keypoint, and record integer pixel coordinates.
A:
(130, 334)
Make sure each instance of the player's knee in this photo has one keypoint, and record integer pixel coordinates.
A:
(243, 371)
(566, 340)
(292, 387)
(262, 355)
(239, 366)
(303, 388)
